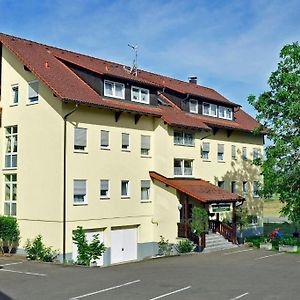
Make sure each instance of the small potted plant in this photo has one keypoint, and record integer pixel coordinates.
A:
(288, 245)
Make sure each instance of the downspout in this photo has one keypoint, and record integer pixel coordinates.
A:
(65, 181)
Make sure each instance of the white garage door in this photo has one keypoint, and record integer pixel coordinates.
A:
(89, 237)
(123, 245)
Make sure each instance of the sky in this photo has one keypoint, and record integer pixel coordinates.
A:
(231, 46)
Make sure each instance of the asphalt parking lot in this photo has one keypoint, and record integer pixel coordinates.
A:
(242, 273)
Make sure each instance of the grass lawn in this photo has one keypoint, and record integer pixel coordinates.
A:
(272, 208)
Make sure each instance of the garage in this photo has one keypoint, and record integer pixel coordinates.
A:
(89, 236)
(123, 244)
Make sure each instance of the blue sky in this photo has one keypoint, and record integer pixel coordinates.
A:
(232, 46)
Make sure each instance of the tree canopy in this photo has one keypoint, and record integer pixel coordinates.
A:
(279, 112)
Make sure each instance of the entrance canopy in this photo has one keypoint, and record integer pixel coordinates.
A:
(199, 189)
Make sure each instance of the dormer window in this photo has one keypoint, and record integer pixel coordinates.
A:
(193, 106)
(225, 112)
(210, 109)
(140, 95)
(114, 89)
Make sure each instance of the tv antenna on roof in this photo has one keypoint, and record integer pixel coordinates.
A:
(134, 67)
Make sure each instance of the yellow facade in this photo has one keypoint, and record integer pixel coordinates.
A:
(40, 166)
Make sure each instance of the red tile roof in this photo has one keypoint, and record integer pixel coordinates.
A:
(199, 189)
(46, 63)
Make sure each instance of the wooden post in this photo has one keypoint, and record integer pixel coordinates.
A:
(234, 222)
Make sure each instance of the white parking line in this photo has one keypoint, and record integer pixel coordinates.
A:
(10, 264)
(229, 253)
(240, 296)
(268, 256)
(105, 290)
(171, 293)
(26, 273)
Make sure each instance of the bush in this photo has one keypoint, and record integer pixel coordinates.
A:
(36, 250)
(9, 233)
(87, 252)
(255, 241)
(164, 247)
(289, 241)
(185, 246)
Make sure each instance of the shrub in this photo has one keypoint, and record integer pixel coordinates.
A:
(289, 241)
(164, 247)
(275, 243)
(9, 233)
(36, 250)
(185, 246)
(87, 252)
(255, 241)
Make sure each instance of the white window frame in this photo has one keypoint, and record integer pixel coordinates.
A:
(205, 152)
(222, 154)
(107, 196)
(228, 112)
(197, 106)
(86, 141)
(108, 137)
(245, 187)
(128, 148)
(255, 190)
(148, 191)
(210, 110)
(233, 153)
(37, 92)
(13, 94)
(114, 89)
(128, 189)
(182, 168)
(85, 197)
(255, 153)
(12, 140)
(147, 101)
(12, 183)
(184, 140)
(145, 151)
(244, 153)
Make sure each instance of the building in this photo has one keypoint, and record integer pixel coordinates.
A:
(124, 153)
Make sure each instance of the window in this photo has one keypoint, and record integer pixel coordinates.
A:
(114, 89)
(11, 136)
(221, 184)
(10, 200)
(80, 139)
(210, 109)
(255, 189)
(145, 190)
(140, 95)
(183, 167)
(183, 138)
(104, 139)
(193, 106)
(104, 188)
(124, 188)
(252, 220)
(33, 91)
(125, 141)
(244, 153)
(15, 94)
(233, 187)
(80, 196)
(233, 152)
(245, 187)
(145, 145)
(220, 152)
(225, 112)
(205, 151)
(255, 153)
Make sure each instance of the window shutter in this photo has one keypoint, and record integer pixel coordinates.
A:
(145, 184)
(104, 184)
(104, 138)
(125, 139)
(145, 142)
(79, 187)
(206, 147)
(220, 148)
(80, 137)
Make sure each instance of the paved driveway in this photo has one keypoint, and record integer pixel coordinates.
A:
(237, 274)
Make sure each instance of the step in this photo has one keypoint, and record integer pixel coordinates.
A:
(220, 248)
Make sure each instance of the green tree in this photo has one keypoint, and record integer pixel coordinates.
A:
(9, 233)
(199, 223)
(279, 112)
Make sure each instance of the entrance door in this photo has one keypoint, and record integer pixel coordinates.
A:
(123, 245)
(89, 237)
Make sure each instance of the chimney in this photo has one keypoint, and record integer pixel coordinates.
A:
(193, 79)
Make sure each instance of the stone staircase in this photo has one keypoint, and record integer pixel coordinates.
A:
(216, 242)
